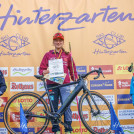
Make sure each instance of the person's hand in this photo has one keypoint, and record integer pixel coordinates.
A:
(45, 72)
(1, 93)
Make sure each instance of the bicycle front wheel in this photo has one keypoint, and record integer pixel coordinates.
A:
(95, 122)
(32, 104)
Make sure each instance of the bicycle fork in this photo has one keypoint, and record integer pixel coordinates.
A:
(89, 102)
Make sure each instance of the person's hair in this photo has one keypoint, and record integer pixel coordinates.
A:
(65, 51)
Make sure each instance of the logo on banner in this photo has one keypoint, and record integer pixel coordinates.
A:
(124, 99)
(109, 41)
(22, 71)
(3, 131)
(40, 86)
(122, 69)
(110, 98)
(21, 86)
(44, 16)
(15, 117)
(100, 129)
(4, 70)
(24, 100)
(105, 115)
(106, 69)
(77, 130)
(123, 84)
(13, 43)
(75, 116)
(126, 114)
(30, 130)
(101, 84)
(81, 69)
(128, 129)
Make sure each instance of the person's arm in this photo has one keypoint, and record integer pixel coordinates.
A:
(43, 69)
(72, 68)
(2, 84)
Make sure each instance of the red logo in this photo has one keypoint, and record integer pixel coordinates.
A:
(15, 117)
(106, 69)
(4, 72)
(76, 116)
(5, 99)
(101, 130)
(123, 84)
(77, 130)
(21, 86)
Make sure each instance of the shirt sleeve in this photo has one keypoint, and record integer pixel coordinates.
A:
(2, 83)
(43, 64)
(72, 68)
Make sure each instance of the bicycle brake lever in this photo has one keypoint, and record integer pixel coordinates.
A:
(100, 70)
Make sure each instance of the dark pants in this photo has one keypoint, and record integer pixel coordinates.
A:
(63, 93)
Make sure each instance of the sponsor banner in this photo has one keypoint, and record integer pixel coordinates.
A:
(30, 130)
(105, 115)
(124, 99)
(123, 84)
(21, 86)
(128, 129)
(81, 69)
(49, 130)
(40, 86)
(15, 117)
(125, 114)
(3, 131)
(99, 101)
(75, 116)
(106, 69)
(122, 69)
(5, 99)
(77, 130)
(100, 129)
(110, 98)
(1, 117)
(4, 70)
(101, 84)
(37, 69)
(26, 101)
(22, 71)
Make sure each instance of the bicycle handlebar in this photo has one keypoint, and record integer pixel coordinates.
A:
(99, 71)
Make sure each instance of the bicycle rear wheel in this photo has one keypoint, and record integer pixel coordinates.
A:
(12, 112)
(96, 123)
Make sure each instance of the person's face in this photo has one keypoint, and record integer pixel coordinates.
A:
(58, 43)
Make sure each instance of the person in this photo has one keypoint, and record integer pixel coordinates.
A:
(2, 84)
(63, 92)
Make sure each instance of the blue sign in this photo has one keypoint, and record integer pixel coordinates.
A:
(1, 117)
(29, 130)
(81, 69)
(124, 99)
(101, 84)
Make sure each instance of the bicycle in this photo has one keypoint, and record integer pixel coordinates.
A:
(38, 114)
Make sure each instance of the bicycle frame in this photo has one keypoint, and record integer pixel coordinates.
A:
(77, 89)
(81, 85)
